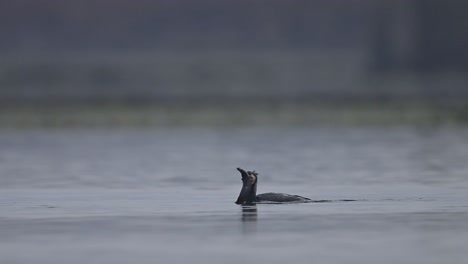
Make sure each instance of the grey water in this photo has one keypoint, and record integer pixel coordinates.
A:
(167, 195)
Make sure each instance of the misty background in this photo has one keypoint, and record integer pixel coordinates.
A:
(209, 52)
(122, 123)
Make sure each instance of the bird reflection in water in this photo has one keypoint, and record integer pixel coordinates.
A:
(249, 219)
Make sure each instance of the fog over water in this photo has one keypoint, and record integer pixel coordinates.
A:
(122, 124)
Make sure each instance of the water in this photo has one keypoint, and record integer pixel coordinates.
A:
(167, 195)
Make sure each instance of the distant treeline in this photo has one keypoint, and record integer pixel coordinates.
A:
(54, 50)
(182, 24)
(415, 34)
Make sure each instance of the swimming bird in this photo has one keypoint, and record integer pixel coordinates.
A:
(248, 193)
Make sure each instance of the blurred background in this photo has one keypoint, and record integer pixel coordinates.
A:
(122, 123)
(211, 62)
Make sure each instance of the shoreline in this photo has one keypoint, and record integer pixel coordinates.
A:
(242, 113)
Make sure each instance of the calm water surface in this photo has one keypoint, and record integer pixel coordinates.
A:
(167, 196)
